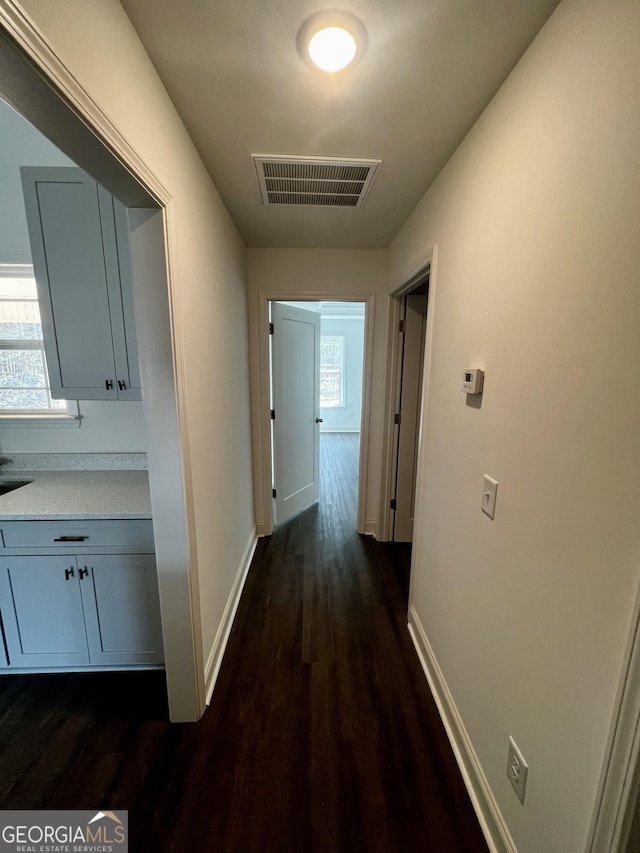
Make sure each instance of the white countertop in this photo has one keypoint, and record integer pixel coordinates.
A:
(76, 494)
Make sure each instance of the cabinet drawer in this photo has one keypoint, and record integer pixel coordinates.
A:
(73, 537)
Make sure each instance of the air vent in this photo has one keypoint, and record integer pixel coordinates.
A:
(314, 181)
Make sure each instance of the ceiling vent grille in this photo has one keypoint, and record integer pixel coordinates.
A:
(314, 181)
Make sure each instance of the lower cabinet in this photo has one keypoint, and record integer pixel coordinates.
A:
(42, 612)
(82, 610)
(121, 609)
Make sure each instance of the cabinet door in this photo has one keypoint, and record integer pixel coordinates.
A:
(65, 232)
(121, 609)
(115, 236)
(42, 612)
(4, 660)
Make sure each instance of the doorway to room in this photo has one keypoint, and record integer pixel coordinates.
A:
(85, 137)
(316, 379)
(408, 317)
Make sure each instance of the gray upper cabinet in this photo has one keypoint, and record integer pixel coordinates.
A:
(79, 243)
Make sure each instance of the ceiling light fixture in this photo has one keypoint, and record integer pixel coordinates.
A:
(332, 40)
(332, 48)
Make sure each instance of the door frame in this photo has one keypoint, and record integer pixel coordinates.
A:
(38, 85)
(408, 395)
(619, 786)
(261, 428)
(408, 281)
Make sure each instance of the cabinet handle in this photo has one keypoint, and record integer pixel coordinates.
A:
(83, 572)
(68, 573)
(70, 538)
(122, 386)
(108, 384)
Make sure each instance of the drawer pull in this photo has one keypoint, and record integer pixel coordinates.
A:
(70, 538)
(83, 572)
(68, 573)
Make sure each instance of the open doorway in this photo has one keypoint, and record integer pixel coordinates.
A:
(410, 319)
(85, 137)
(316, 374)
(411, 342)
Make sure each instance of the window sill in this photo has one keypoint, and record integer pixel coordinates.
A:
(66, 420)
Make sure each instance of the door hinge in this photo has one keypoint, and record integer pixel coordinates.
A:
(273, 414)
(270, 328)
(397, 418)
(393, 504)
(273, 493)
(401, 326)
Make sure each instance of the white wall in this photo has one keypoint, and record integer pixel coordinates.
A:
(111, 427)
(345, 319)
(20, 145)
(346, 418)
(355, 273)
(100, 47)
(536, 218)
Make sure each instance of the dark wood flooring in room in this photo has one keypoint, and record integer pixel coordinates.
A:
(322, 735)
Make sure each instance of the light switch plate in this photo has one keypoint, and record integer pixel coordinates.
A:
(489, 492)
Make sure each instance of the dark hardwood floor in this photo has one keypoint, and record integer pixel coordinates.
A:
(322, 734)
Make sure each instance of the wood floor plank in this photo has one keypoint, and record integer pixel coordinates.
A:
(322, 735)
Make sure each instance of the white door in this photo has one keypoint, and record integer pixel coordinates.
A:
(295, 383)
(410, 400)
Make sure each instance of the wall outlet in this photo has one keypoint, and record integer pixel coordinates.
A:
(517, 769)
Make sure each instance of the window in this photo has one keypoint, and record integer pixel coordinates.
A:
(332, 371)
(24, 382)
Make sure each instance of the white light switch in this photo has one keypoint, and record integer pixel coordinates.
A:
(489, 492)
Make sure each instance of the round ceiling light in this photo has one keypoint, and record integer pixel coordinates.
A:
(332, 48)
(332, 40)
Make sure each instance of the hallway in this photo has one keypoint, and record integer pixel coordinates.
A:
(322, 735)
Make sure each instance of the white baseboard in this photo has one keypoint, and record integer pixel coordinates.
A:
(370, 527)
(261, 529)
(222, 636)
(492, 823)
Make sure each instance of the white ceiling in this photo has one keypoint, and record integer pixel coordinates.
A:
(234, 74)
